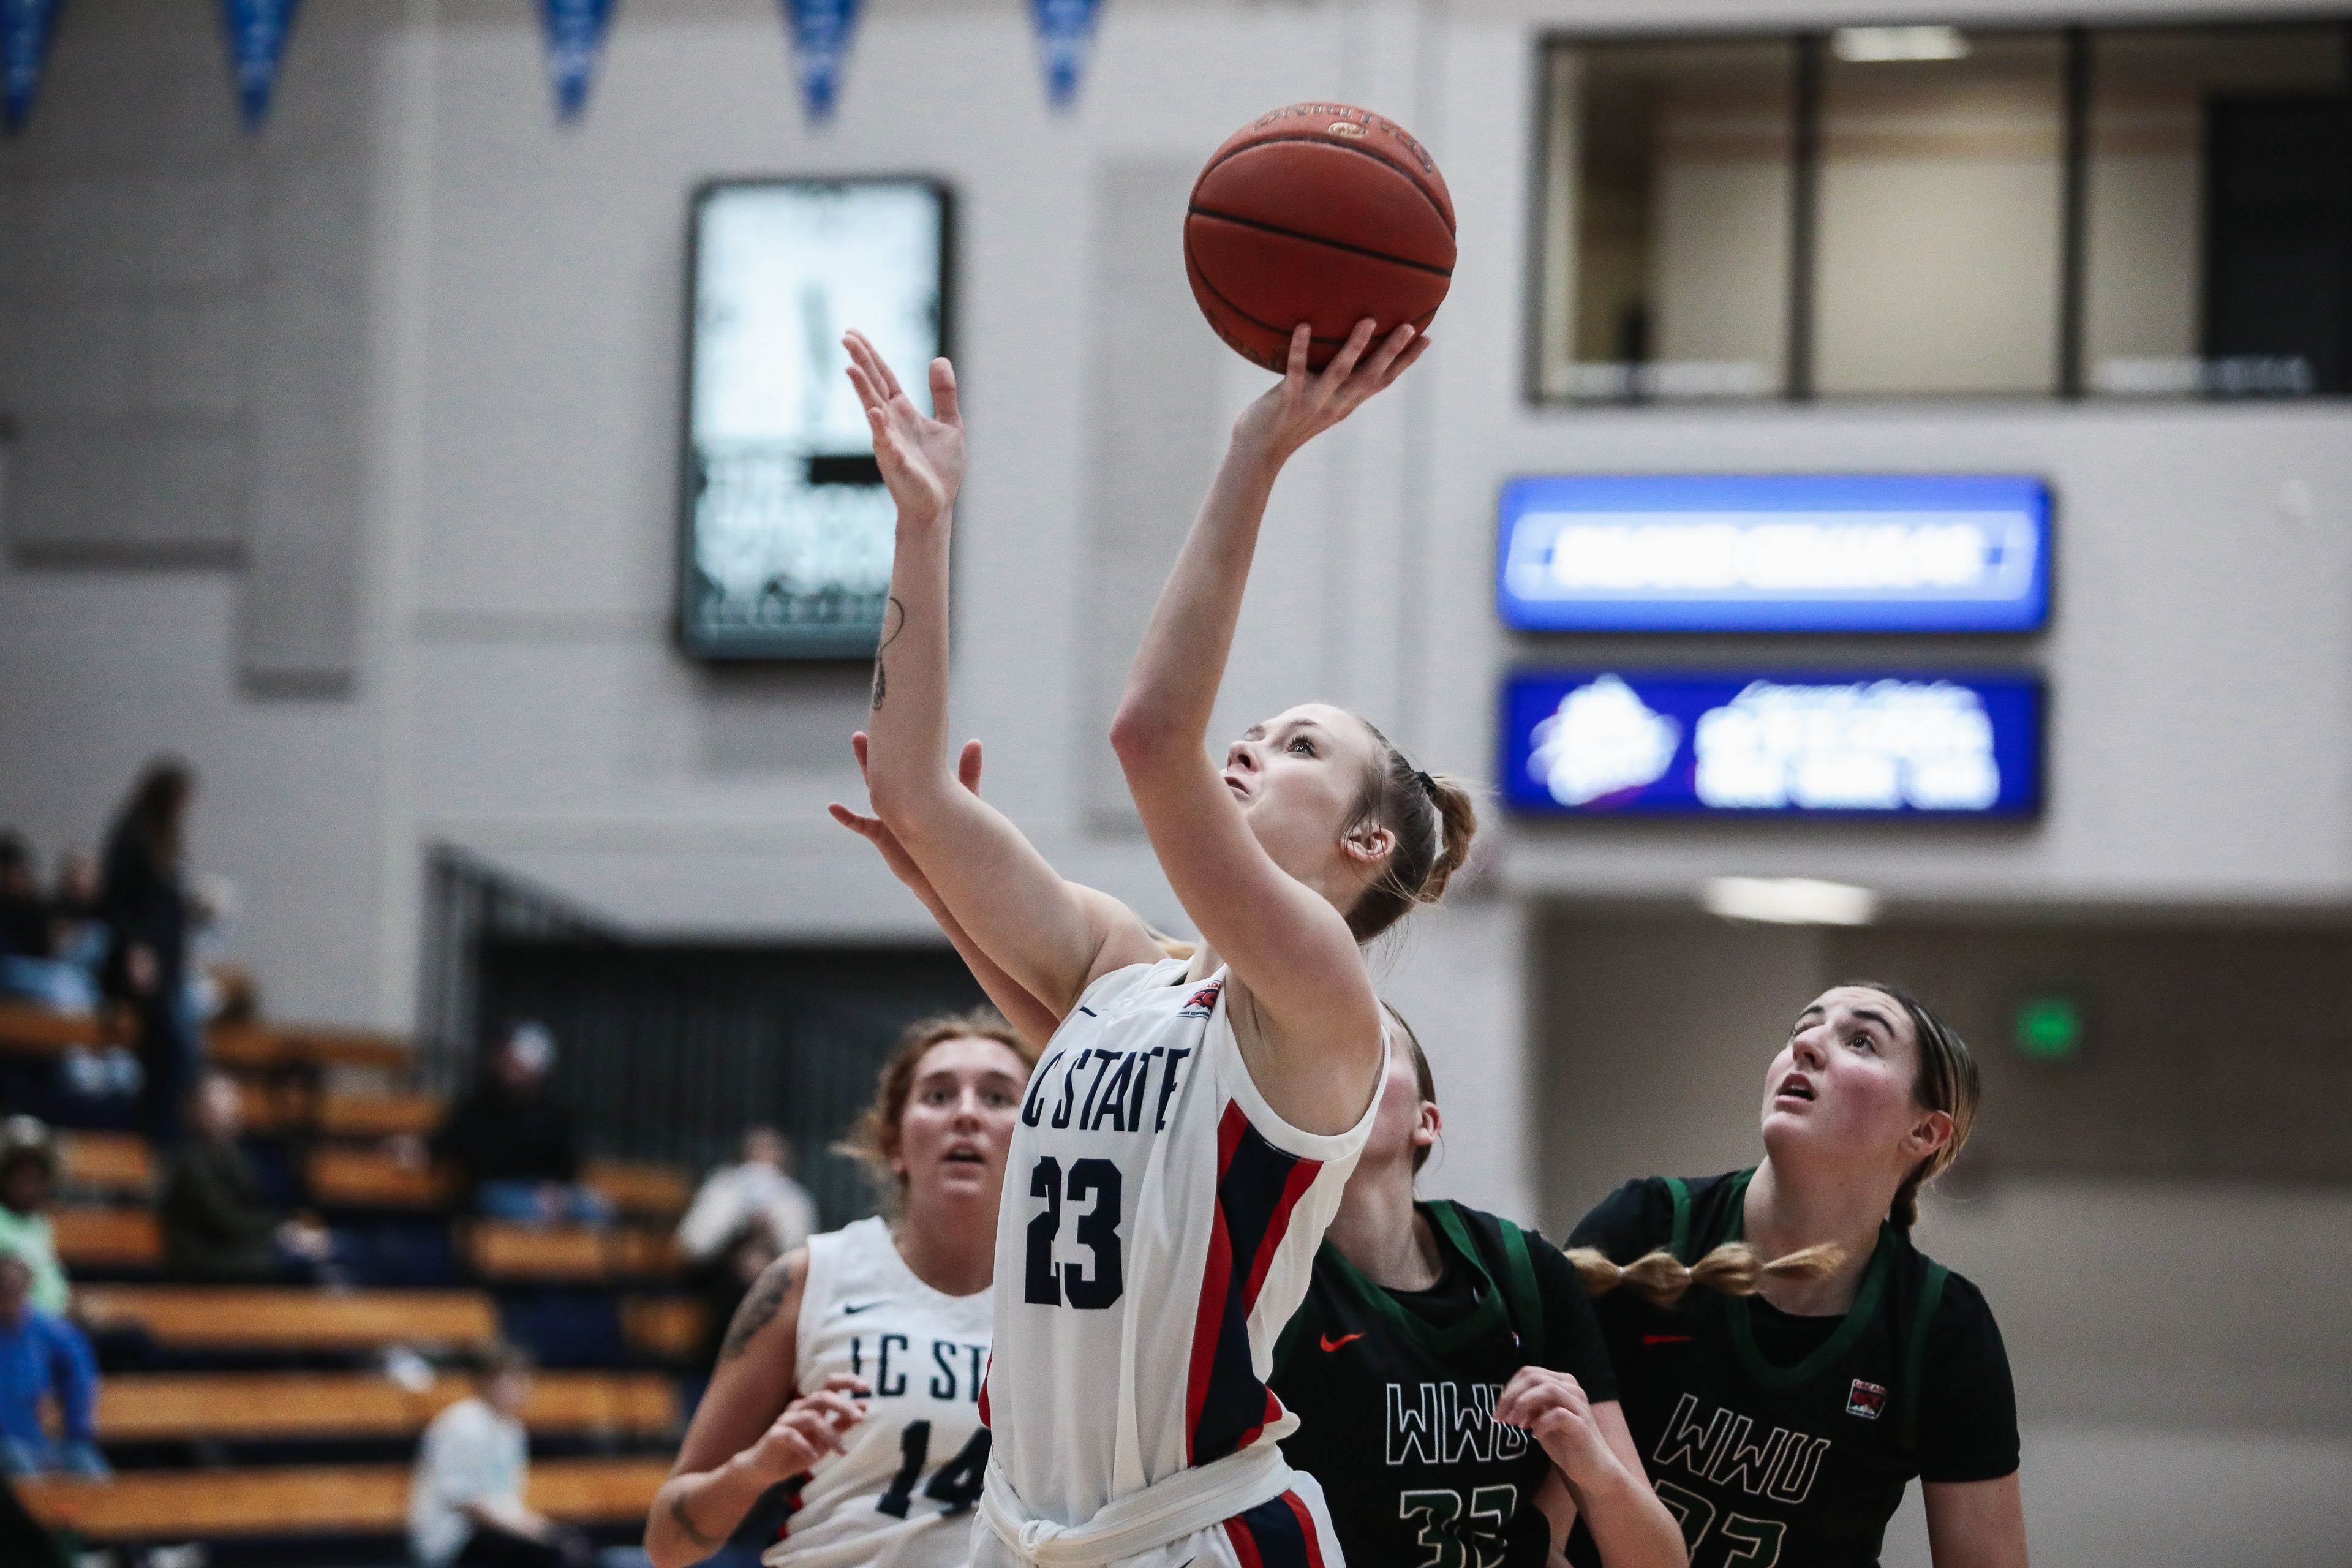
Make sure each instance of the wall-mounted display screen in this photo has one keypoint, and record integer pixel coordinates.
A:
(1774, 553)
(787, 529)
(1602, 743)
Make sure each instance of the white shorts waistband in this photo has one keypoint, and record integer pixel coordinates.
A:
(1170, 1508)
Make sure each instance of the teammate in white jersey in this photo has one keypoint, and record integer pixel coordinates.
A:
(851, 1371)
(1183, 1143)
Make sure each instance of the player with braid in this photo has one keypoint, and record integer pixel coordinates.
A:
(1782, 1406)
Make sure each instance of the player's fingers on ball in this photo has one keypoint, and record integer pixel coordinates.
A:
(1343, 364)
(1302, 338)
(1391, 349)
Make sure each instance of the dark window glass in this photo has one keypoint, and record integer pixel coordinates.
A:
(1667, 235)
(2218, 243)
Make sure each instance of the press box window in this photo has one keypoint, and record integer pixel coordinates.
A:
(1888, 211)
(1667, 253)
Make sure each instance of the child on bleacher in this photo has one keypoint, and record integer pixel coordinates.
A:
(465, 1501)
(28, 1170)
(43, 1357)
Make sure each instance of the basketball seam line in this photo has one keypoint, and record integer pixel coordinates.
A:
(1226, 299)
(1444, 216)
(1444, 272)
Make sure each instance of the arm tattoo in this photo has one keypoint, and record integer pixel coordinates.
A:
(757, 1310)
(890, 635)
(677, 1516)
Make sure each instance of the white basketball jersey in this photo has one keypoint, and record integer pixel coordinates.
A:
(1158, 1228)
(902, 1495)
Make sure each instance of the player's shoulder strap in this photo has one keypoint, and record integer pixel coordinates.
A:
(1678, 1240)
(1914, 1360)
(1504, 1246)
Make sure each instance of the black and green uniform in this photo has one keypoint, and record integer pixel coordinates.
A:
(1777, 1439)
(1395, 1394)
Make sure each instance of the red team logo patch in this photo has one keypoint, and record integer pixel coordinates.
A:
(1866, 1400)
(1201, 1003)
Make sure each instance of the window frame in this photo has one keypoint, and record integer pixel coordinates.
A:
(2070, 380)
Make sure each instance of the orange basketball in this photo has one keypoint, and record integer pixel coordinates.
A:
(1320, 213)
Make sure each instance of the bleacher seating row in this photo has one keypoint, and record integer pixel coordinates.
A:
(323, 1500)
(220, 1403)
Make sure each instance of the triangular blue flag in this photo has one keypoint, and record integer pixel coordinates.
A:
(256, 42)
(24, 26)
(821, 33)
(1066, 35)
(575, 38)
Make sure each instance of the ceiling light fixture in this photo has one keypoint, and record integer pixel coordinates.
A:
(1873, 45)
(1789, 901)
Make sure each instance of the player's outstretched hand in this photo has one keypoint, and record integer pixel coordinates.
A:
(1551, 1407)
(922, 459)
(1303, 404)
(811, 1428)
(876, 832)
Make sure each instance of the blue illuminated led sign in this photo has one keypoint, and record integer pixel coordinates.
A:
(1603, 742)
(1774, 553)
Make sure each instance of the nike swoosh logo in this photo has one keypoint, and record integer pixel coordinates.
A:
(849, 1308)
(1665, 1338)
(1331, 1344)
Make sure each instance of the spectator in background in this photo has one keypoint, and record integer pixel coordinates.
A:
(47, 955)
(29, 1169)
(42, 1356)
(24, 914)
(466, 1499)
(145, 903)
(217, 1227)
(761, 1187)
(722, 1281)
(512, 1142)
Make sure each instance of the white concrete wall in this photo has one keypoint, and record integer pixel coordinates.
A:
(517, 691)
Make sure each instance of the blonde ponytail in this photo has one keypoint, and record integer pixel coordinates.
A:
(1732, 1269)
(1432, 819)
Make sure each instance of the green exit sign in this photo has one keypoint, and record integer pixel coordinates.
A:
(2049, 1028)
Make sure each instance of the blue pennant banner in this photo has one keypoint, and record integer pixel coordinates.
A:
(256, 42)
(575, 38)
(1066, 35)
(24, 26)
(821, 33)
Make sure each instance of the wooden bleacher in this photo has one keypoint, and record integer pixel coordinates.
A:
(232, 1406)
(38, 1031)
(667, 1327)
(271, 1318)
(647, 1190)
(107, 1238)
(321, 1499)
(106, 1164)
(350, 1177)
(504, 1251)
(251, 1046)
(384, 1115)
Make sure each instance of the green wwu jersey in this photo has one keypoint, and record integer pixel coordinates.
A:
(1785, 1442)
(1395, 1392)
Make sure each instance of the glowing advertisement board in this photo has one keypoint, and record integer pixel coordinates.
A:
(1774, 553)
(1602, 742)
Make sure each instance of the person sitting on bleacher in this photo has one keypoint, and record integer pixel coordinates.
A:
(43, 1357)
(512, 1142)
(761, 1188)
(466, 1499)
(28, 1170)
(32, 966)
(217, 1227)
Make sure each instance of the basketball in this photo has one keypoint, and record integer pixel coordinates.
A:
(1320, 213)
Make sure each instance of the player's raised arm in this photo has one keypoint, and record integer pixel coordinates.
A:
(1051, 937)
(1281, 926)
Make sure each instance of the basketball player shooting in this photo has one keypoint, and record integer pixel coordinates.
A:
(1182, 1147)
